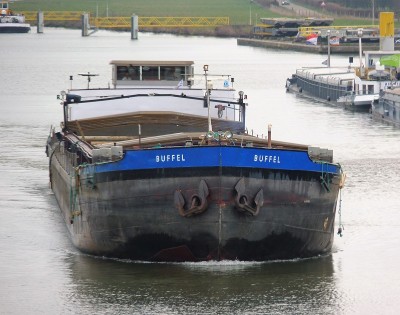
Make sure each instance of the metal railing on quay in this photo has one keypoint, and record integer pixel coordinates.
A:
(31, 16)
(125, 22)
(308, 30)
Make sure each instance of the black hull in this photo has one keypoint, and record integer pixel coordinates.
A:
(14, 29)
(363, 108)
(324, 93)
(133, 215)
(387, 109)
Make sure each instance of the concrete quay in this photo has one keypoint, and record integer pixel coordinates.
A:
(301, 47)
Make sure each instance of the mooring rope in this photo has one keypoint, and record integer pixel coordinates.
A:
(341, 227)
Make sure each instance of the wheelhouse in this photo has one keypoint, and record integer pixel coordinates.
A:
(4, 8)
(152, 73)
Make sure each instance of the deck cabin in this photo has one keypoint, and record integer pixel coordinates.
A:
(4, 8)
(161, 96)
(151, 73)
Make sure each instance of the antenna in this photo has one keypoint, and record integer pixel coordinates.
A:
(88, 75)
(205, 68)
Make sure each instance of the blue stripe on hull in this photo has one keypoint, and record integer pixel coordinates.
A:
(217, 156)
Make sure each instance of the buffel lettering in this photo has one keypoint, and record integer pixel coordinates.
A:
(170, 158)
(267, 158)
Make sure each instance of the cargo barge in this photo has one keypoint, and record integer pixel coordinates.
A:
(159, 167)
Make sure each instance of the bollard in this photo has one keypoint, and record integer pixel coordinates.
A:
(134, 26)
(40, 22)
(85, 24)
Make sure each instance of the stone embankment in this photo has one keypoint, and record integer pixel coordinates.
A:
(301, 47)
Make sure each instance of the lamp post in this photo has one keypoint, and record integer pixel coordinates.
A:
(251, 2)
(205, 68)
(373, 12)
(360, 34)
(241, 102)
(328, 36)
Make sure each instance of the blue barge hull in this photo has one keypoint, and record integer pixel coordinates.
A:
(200, 203)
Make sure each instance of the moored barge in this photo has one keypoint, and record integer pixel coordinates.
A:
(11, 22)
(387, 109)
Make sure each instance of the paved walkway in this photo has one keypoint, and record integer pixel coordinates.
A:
(295, 10)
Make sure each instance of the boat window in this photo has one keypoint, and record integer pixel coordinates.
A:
(167, 73)
(179, 73)
(150, 73)
(129, 72)
(371, 62)
(133, 72)
(172, 73)
(121, 72)
(370, 89)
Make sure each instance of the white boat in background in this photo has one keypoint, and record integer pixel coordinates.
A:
(354, 88)
(11, 22)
